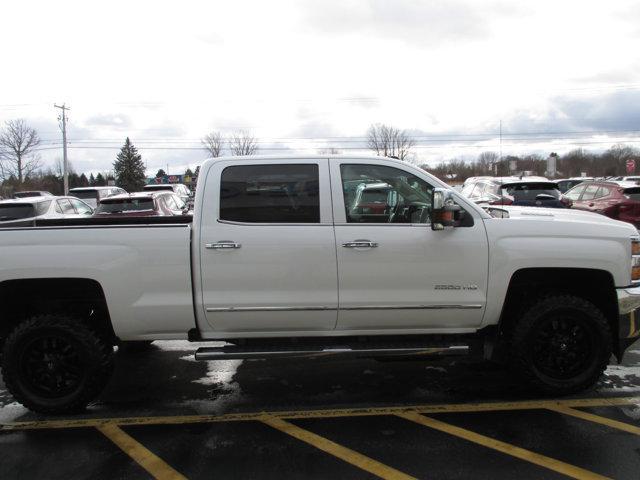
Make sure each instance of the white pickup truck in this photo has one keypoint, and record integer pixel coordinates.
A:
(297, 256)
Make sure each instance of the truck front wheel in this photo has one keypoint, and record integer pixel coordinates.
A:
(561, 344)
(55, 364)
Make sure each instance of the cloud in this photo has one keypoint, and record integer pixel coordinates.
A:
(616, 111)
(415, 22)
(109, 120)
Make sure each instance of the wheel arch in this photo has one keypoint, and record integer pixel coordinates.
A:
(82, 298)
(596, 286)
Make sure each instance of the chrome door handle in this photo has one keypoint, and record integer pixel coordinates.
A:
(222, 245)
(360, 244)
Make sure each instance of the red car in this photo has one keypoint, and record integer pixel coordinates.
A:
(618, 200)
(141, 204)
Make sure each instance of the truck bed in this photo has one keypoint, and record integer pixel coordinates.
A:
(143, 266)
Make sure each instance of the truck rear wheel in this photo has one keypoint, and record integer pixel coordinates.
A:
(561, 344)
(55, 364)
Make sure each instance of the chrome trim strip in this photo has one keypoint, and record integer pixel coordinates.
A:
(219, 353)
(412, 307)
(362, 307)
(269, 309)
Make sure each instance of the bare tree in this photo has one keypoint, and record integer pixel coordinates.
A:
(388, 141)
(18, 144)
(243, 143)
(213, 144)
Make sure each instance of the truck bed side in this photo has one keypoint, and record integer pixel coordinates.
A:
(144, 271)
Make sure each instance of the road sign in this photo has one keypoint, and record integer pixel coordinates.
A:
(631, 165)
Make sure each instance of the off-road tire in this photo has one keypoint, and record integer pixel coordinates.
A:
(94, 356)
(591, 323)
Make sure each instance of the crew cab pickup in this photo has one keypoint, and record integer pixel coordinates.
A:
(279, 261)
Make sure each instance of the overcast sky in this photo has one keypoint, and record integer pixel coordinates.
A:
(303, 75)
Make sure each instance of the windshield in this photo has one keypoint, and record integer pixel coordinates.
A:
(125, 205)
(16, 212)
(89, 196)
(158, 187)
(28, 194)
(529, 191)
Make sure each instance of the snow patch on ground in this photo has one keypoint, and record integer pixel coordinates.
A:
(220, 372)
(11, 412)
(226, 392)
(622, 378)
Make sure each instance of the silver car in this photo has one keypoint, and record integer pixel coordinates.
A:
(22, 211)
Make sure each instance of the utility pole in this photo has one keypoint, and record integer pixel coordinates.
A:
(500, 139)
(63, 118)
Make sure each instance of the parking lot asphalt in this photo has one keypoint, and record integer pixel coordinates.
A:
(166, 416)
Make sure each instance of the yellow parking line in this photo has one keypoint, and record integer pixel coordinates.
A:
(597, 419)
(153, 464)
(350, 456)
(330, 413)
(521, 453)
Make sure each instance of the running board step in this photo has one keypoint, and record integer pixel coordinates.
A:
(234, 352)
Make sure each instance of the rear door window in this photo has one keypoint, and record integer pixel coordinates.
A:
(574, 193)
(288, 193)
(15, 212)
(81, 207)
(590, 192)
(65, 207)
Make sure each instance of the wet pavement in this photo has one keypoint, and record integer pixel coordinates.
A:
(167, 416)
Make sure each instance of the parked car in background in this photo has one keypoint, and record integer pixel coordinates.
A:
(93, 195)
(566, 184)
(178, 188)
(529, 193)
(32, 193)
(632, 178)
(18, 212)
(142, 204)
(373, 202)
(618, 200)
(515, 191)
(484, 190)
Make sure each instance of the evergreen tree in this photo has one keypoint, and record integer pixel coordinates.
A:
(100, 181)
(84, 182)
(92, 180)
(161, 173)
(188, 173)
(129, 169)
(74, 180)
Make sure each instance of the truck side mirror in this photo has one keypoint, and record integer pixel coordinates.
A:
(444, 209)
